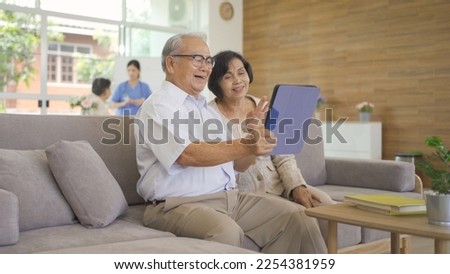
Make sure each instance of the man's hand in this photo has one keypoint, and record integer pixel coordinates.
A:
(259, 141)
(303, 196)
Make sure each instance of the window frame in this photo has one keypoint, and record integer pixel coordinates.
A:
(122, 25)
(59, 54)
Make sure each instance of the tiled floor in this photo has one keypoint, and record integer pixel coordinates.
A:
(420, 245)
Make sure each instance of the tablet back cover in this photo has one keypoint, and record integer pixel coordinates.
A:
(290, 113)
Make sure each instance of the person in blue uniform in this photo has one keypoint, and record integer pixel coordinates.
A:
(131, 94)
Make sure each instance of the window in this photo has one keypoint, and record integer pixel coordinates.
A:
(62, 60)
(165, 13)
(110, 9)
(83, 43)
(66, 69)
(83, 50)
(23, 3)
(51, 67)
(144, 42)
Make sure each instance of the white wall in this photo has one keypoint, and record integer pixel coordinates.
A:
(226, 35)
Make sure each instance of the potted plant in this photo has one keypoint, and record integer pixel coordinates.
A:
(365, 110)
(437, 201)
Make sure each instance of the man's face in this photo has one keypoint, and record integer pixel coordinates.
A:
(184, 73)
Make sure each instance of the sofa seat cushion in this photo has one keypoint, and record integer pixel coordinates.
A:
(88, 185)
(77, 235)
(9, 218)
(134, 214)
(337, 193)
(41, 204)
(172, 245)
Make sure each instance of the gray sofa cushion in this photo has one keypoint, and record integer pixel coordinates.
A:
(9, 218)
(51, 239)
(41, 204)
(89, 187)
(311, 159)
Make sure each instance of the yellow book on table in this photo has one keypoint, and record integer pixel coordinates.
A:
(390, 212)
(387, 203)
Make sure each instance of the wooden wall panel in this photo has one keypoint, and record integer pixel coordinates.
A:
(393, 53)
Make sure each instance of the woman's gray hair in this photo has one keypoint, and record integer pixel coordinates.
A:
(175, 43)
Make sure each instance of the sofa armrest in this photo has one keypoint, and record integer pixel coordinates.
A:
(376, 174)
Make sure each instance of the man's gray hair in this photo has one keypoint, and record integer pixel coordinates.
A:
(175, 43)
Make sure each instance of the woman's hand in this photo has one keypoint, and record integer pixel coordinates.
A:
(137, 102)
(303, 196)
(125, 102)
(260, 111)
(258, 115)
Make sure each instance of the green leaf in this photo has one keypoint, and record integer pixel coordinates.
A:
(440, 175)
(434, 141)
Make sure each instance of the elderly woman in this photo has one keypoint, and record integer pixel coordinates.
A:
(272, 174)
(96, 101)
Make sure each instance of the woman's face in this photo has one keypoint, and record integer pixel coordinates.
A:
(133, 72)
(235, 83)
(107, 92)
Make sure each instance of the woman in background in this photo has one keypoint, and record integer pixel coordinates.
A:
(130, 95)
(95, 103)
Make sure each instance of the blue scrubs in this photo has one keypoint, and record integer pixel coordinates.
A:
(124, 90)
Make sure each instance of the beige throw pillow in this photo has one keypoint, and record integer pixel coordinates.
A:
(88, 185)
(41, 204)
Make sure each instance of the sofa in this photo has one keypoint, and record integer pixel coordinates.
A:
(68, 185)
(96, 209)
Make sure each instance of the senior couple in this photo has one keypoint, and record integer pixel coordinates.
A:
(229, 188)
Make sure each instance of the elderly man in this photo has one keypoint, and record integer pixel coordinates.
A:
(187, 165)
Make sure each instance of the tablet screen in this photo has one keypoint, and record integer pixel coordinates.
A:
(290, 112)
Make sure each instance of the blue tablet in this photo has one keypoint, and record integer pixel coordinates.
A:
(290, 113)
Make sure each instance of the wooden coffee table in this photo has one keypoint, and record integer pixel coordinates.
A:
(408, 224)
